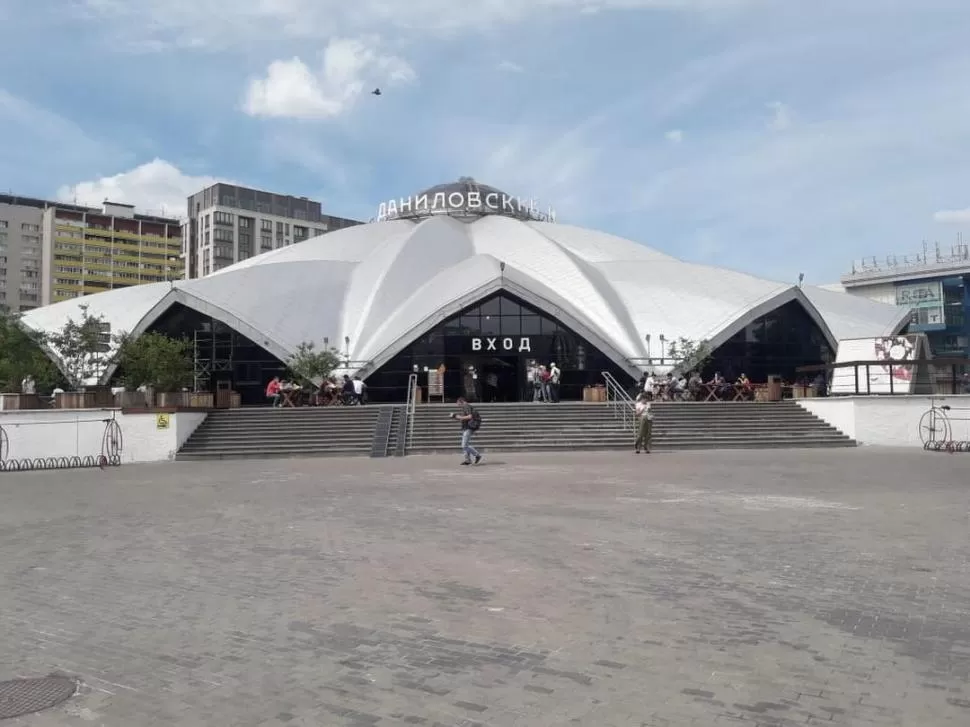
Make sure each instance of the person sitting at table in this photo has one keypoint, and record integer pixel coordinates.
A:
(350, 396)
(745, 387)
(273, 390)
(675, 387)
(695, 385)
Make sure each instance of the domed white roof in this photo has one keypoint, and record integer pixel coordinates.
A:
(383, 284)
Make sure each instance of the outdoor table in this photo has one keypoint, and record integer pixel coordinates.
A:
(291, 397)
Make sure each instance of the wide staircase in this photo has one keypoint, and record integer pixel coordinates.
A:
(304, 432)
(600, 426)
(741, 425)
(523, 427)
(380, 431)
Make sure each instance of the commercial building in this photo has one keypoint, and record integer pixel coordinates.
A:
(52, 251)
(464, 276)
(227, 224)
(932, 285)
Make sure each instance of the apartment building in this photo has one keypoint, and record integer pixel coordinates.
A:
(88, 250)
(227, 224)
(21, 258)
(52, 251)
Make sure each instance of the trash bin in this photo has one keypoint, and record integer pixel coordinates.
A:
(774, 388)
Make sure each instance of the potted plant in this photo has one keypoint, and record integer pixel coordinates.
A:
(311, 367)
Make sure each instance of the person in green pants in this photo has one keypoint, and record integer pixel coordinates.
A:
(644, 422)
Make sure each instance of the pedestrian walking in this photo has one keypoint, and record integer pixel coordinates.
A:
(471, 422)
(644, 422)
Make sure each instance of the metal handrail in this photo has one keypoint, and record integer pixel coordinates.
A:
(619, 401)
(409, 408)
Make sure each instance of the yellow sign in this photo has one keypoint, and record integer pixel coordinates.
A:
(162, 421)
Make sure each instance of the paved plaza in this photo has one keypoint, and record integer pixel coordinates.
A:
(733, 588)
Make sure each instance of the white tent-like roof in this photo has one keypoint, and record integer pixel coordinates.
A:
(384, 284)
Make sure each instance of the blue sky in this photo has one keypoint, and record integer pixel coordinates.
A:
(772, 136)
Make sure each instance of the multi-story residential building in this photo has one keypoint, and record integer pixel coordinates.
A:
(52, 251)
(227, 224)
(934, 284)
(21, 258)
(89, 250)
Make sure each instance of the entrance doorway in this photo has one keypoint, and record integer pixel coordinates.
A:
(499, 379)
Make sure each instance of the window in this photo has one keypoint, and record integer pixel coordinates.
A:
(320, 231)
(300, 232)
(3, 224)
(266, 243)
(223, 251)
(30, 240)
(266, 225)
(245, 222)
(28, 227)
(223, 234)
(222, 218)
(279, 228)
(299, 214)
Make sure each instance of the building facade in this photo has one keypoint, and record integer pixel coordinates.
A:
(934, 285)
(474, 285)
(89, 251)
(21, 282)
(227, 224)
(52, 251)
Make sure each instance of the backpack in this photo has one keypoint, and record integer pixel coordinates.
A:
(476, 421)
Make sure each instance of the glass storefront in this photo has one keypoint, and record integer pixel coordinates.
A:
(774, 344)
(221, 354)
(487, 350)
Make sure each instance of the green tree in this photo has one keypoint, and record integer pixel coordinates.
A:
(22, 355)
(155, 360)
(310, 365)
(690, 355)
(84, 348)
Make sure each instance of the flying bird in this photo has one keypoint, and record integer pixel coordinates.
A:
(376, 92)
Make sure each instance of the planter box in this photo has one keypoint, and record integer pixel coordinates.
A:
(184, 400)
(19, 402)
(132, 400)
(76, 400)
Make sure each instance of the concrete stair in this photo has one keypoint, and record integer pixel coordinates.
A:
(261, 433)
(585, 426)
(741, 425)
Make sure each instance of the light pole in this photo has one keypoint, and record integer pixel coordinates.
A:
(663, 342)
(649, 359)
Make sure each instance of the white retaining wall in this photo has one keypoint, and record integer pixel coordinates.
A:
(891, 421)
(32, 434)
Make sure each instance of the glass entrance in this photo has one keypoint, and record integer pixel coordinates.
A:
(485, 349)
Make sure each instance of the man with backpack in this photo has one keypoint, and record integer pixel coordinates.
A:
(471, 422)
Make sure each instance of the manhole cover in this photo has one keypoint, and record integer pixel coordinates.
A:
(23, 696)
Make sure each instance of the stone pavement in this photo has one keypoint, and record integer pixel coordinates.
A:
(774, 588)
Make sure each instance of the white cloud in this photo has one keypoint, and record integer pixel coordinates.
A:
(291, 89)
(206, 23)
(156, 187)
(781, 116)
(953, 216)
(674, 136)
(510, 67)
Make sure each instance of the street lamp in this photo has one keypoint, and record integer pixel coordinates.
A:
(663, 341)
(649, 359)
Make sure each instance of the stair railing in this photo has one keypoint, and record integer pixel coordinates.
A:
(620, 401)
(409, 407)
